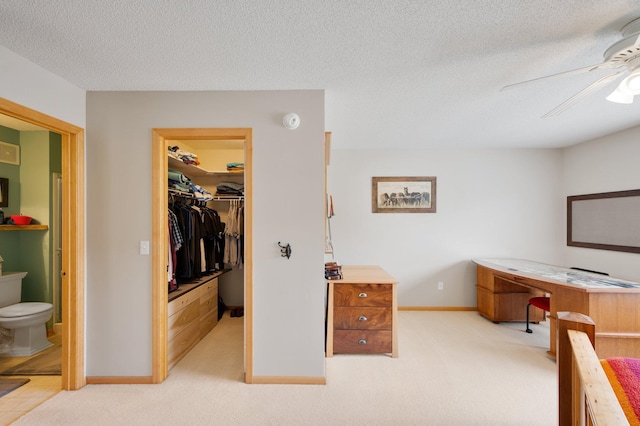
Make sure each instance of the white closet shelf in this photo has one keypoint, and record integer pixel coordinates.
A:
(190, 195)
(193, 170)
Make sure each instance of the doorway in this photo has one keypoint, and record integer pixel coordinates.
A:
(160, 138)
(73, 236)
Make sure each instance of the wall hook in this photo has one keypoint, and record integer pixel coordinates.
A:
(285, 250)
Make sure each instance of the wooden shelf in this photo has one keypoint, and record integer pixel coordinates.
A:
(184, 288)
(24, 227)
(193, 170)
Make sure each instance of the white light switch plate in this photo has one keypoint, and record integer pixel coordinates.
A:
(144, 247)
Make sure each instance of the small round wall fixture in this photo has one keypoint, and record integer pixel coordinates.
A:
(291, 121)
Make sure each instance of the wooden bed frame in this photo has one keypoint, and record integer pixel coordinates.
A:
(585, 394)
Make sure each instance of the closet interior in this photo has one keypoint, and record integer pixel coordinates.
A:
(205, 272)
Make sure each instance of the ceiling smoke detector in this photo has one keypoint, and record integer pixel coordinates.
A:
(291, 121)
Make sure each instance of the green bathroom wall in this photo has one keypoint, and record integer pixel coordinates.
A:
(9, 241)
(35, 201)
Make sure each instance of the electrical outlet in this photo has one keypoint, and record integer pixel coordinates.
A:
(440, 285)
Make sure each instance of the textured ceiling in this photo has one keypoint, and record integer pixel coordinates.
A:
(400, 74)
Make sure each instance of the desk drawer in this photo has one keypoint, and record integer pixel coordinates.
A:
(361, 341)
(364, 318)
(363, 295)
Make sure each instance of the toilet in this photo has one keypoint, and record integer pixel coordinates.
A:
(25, 322)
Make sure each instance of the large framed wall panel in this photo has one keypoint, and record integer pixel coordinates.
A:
(605, 221)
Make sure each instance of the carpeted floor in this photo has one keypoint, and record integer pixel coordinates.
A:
(7, 385)
(48, 363)
(454, 369)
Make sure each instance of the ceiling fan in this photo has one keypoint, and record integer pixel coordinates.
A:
(623, 57)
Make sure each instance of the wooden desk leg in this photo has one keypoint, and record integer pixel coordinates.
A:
(329, 348)
(394, 323)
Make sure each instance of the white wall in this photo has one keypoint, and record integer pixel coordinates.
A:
(288, 205)
(30, 85)
(490, 203)
(606, 164)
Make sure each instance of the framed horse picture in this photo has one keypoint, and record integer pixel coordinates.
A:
(400, 194)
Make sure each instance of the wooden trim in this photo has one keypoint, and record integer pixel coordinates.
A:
(585, 395)
(618, 335)
(73, 238)
(159, 254)
(120, 380)
(248, 250)
(160, 369)
(289, 380)
(437, 308)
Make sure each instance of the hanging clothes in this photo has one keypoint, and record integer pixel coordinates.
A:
(234, 235)
(175, 243)
(202, 247)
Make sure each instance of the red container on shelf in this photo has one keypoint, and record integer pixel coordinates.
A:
(21, 220)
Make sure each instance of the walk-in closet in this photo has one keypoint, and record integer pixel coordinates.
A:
(205, 273)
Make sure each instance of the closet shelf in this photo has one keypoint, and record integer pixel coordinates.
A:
(193, 170)
(214, 198)
(24, 227)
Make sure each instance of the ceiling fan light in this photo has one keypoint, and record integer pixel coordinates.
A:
(632, 83)
(620, 97)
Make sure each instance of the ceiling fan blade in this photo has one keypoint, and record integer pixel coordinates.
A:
(637, 43)
(561, 74)
(583, 93)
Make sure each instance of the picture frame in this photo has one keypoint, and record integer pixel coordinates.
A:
(604, 221)
(4, 192)
(403, 194)
(9, 153)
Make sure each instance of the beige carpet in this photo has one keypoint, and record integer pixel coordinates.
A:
(455, 368)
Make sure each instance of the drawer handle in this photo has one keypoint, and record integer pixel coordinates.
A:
(362, 318)
(362, 342)
(362, 295)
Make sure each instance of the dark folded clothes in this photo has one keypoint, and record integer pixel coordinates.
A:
(230, 188)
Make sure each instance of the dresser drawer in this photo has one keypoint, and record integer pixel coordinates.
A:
(183, 318)
(363, 295)
(362, 318)
(362, 341)
(182, 342)
(208, 303)
(208, 322)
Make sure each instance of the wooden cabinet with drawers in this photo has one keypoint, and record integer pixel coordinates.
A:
(191, 316)
(362, 312)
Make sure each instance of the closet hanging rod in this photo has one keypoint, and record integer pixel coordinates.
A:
(228, 197)
(181, 193)
(214, 198)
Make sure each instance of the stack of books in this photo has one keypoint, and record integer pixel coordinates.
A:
(332, 271)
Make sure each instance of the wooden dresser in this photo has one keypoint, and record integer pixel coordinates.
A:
(191, 316)
(362, 312)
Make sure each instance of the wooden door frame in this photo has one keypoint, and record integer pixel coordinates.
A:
(73, 238)
(159, 235)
